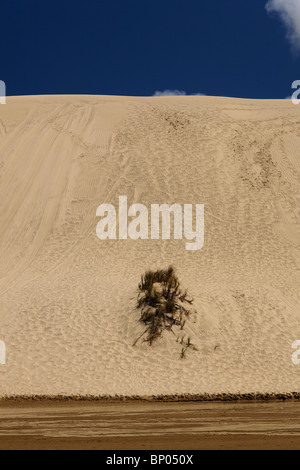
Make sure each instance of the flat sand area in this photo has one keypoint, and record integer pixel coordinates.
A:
(149, 426)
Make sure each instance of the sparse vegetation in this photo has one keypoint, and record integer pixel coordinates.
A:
(185, 346)
(163, 305)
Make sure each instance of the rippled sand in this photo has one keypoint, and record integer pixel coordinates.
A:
(67, 299)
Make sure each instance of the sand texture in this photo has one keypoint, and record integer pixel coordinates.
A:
(67, 299)
(156, 426)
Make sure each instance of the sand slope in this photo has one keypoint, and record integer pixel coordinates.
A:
(67, 299)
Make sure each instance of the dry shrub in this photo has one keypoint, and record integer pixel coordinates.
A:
(163, 305)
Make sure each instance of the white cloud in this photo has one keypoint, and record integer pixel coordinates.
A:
(170, 93)
(175, 93)
(289, 12)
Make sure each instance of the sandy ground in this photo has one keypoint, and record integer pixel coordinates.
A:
(67, 299)
(156, 426)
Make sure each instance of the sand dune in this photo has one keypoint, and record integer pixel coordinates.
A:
(67, 299)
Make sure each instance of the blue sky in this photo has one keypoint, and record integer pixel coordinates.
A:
(139, 47)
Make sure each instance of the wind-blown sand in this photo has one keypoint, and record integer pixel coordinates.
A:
(67, 299)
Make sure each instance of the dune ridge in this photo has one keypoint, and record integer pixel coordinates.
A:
(67, 299)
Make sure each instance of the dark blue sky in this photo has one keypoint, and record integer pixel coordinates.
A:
(135, 47)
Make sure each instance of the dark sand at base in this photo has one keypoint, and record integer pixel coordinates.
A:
(185, 442)
(149, 426)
